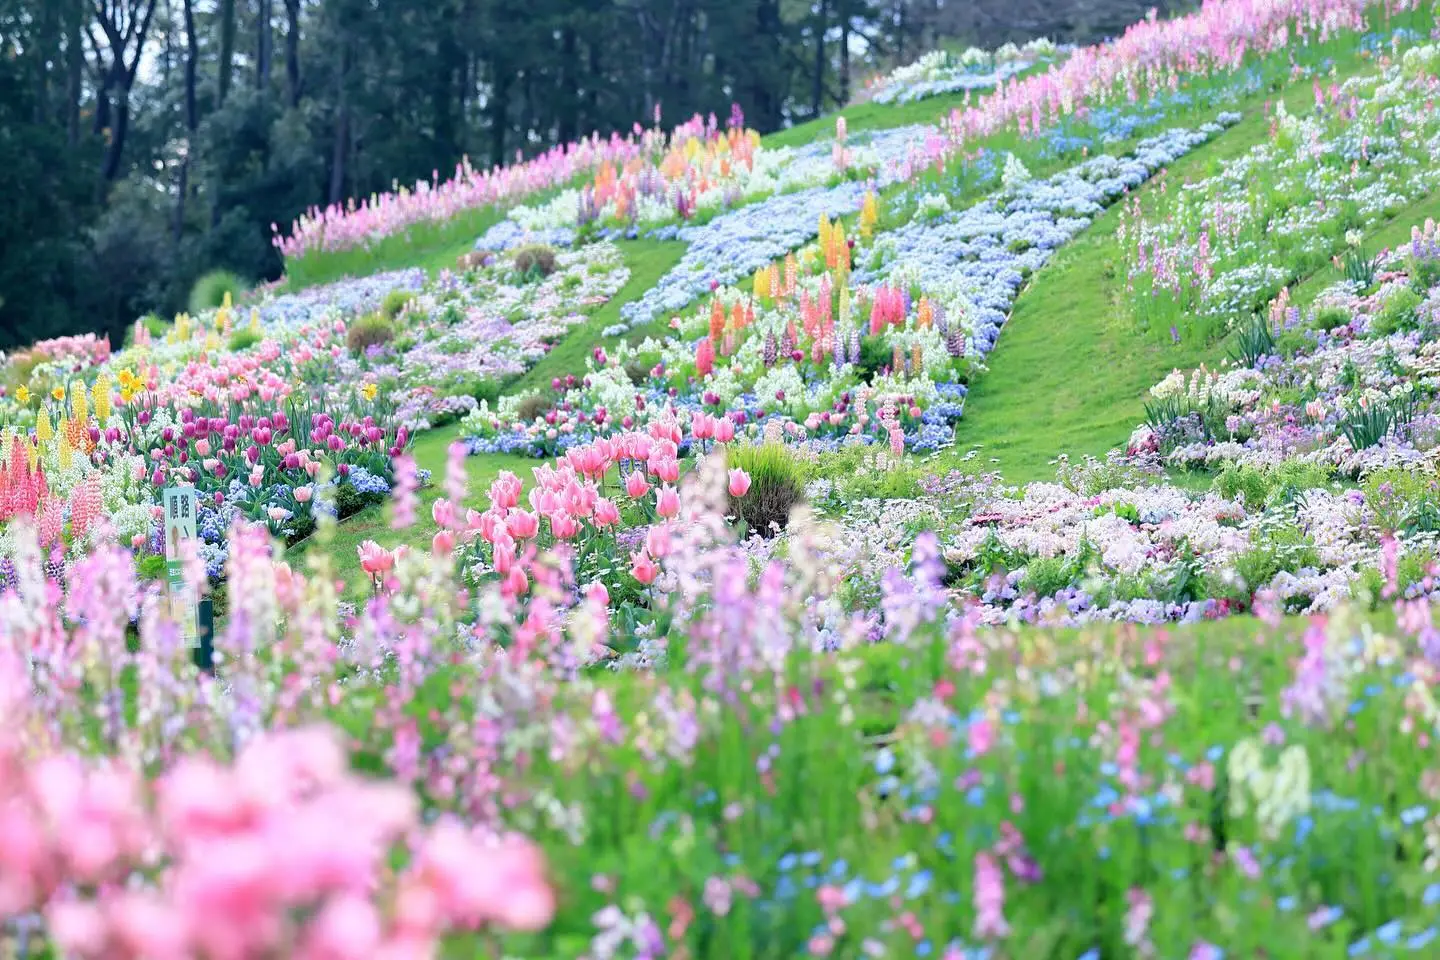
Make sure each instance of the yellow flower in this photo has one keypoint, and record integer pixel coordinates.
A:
(369, 391)
(79, 401)
(22, 393)
(58, 393)
(43, 429)
(100, 398)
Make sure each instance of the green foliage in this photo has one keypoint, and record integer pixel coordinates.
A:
(208, 292)
(1328, 318)
(1272, 486)
(244, 339)
(1400, 312)
(1403, 501)
(1361, 270)
(1253, 341)
(1047, 576)
(1277, 546)
(369, 331)
(863, 473)
(395, 302)
(776, 486)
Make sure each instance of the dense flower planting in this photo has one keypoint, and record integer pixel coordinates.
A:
(753, 662)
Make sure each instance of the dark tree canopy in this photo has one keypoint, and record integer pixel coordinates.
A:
(144, 142)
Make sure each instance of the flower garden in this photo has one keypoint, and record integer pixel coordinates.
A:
(666, 576)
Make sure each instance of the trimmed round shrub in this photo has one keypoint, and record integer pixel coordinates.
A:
(534, 260)
(369, 331)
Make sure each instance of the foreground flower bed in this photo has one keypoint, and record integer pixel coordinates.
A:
(783, 776)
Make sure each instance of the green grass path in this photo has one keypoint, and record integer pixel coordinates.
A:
(1070, 373)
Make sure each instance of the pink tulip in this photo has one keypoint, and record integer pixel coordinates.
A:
(636, 485)
(606, 513)
(303, 494)
(739, 482)
(505, 491)
(667, 502)
(657, 541)
(443, 543)
(375, 559)
(666, 468)
(521, 524)
(563, 525)
(597, 594)
(724, 430)
(643, 569)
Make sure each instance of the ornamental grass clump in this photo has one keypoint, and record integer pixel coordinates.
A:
(534, 261)
(776, 486)
(369, 331)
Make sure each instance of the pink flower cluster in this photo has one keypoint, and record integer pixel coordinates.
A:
(1154, 53)
(284, 853)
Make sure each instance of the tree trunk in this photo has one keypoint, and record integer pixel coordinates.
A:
(845, 58)
(75, 54)
(340, 150)
(817, 93)
(263, 34)
(117, 137)
(227, 47)
(567, 115)
(499, 102)
(292, 50)
(192, 118)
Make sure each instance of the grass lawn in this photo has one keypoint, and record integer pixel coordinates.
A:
(1070, 372)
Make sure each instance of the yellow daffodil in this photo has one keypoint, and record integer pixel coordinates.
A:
(58, 393)
(22, 393)
(368, 391)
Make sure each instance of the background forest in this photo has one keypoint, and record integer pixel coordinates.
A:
(145, 142)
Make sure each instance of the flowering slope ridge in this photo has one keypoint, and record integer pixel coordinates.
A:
(980, 257)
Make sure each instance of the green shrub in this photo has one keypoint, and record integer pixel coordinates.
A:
(1403, 501)
(1269, 486)
(1424, 272)
(1281, 547)
(369, 331)
(1400, 312)
(1291, 342)
(209, 291)
(1328, 318)
(776, 486)
(534, 261)
(244, 339)
(1046, 576)
(395, 302)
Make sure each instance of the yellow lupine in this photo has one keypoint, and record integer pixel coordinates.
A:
(254, 320)
(869, 215)
(824, 233)
(43, 429)
(32, 450)
(100, 397)
(79, 401)
(63, 453)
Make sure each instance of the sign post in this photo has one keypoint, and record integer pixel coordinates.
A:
(180, 526)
